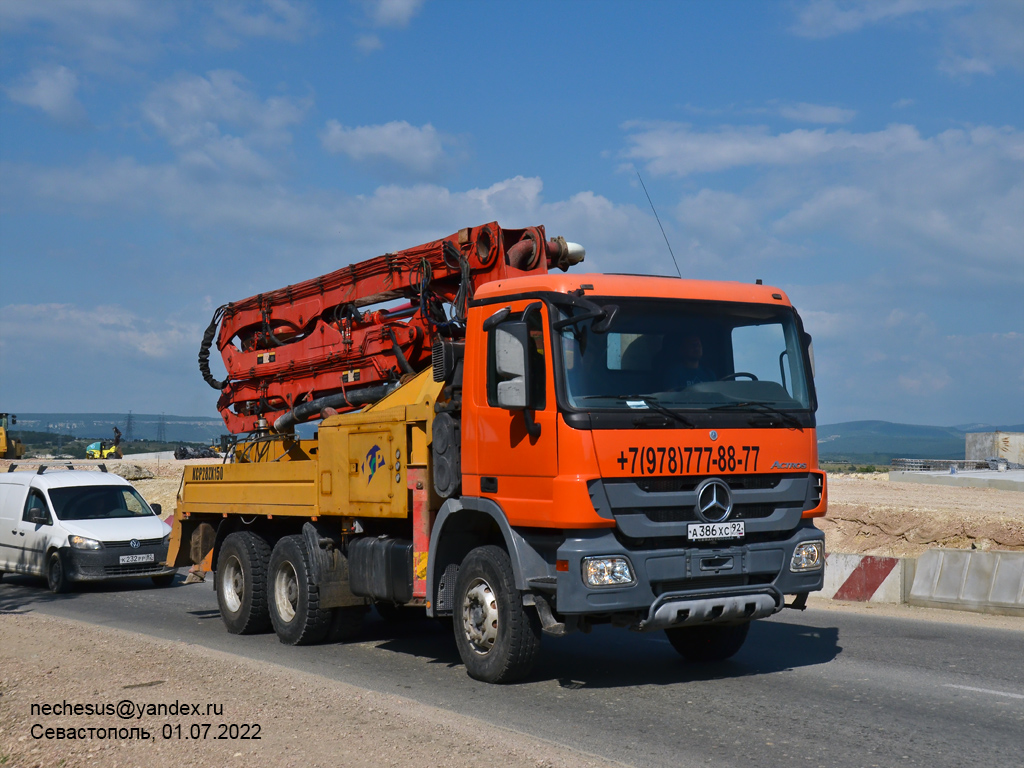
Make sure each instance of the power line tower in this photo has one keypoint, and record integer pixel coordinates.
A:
(129, 428)
(161, 430)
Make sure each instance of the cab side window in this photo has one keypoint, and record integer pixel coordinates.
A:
(35, 499)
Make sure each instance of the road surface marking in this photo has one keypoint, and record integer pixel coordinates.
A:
(984, 690)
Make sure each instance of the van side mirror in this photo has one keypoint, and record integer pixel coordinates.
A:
(38, 516)
(512, 364)
(156, 507)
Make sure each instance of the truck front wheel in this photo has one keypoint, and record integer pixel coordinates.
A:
(498, 637)
(713, 642)
(242, 583)
(294, 596)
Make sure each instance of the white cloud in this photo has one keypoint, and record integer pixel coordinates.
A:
(817, 113)
(419, 150)
(273, 19)
(827, 18)
(100, 34)
(51, 89)
(369, 43)
(979, 36)
(392, 13)
(676, 149)
(110, 329)
(217, 123)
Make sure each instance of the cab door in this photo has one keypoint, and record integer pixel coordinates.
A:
(34, 534)
(511, 456)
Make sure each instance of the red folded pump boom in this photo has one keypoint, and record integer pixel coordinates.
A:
(293, 351)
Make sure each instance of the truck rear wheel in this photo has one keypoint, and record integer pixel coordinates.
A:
(294, 597)
(713, 642)
(242, 583)
(497, 636)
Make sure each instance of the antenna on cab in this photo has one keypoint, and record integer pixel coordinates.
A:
(658, 219)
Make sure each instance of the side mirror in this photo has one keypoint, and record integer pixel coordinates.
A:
(158, 508)
(38, 516)
(512, 364)
(809, 344)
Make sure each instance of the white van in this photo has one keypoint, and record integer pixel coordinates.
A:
(79, 525)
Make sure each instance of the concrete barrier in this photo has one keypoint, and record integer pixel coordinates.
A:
(970, 580)
(867, 578)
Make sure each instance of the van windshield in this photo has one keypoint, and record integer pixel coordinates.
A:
(98, 502)
(687, 355)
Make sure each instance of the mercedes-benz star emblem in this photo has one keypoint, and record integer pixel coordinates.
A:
(714, 500)
(135, 543)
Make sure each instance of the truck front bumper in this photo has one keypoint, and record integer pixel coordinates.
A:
(726, 582)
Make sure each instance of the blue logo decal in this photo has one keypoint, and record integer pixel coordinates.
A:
(375, 460)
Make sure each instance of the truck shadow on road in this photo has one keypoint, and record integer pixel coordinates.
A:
(612, 658)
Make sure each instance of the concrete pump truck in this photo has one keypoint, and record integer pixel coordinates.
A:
(517, 450)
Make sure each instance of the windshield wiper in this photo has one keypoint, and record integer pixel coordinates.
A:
(654, 405)
(788, 419)
(650, 401)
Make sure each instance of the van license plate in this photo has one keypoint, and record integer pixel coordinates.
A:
(126, 559)
(706, 531)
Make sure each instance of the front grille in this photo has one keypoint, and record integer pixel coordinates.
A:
(736, 482)
(128, 544)
(689, 514)
(134, 569)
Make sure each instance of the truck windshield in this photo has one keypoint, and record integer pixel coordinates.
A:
(685, 355)
(98, 502)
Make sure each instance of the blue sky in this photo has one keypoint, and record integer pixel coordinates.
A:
(160, 159)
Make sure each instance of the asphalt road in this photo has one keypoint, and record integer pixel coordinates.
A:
(813, 688)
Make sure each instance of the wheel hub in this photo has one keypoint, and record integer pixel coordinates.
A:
(234, 585)
(480, 616)
(286, 591)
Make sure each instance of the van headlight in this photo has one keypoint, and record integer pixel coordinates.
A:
(607, 572)
(80, 542)
(807, 556)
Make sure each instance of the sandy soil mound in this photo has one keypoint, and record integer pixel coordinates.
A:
(867, 514)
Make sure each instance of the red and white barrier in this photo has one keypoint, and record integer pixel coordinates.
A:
(865, 578)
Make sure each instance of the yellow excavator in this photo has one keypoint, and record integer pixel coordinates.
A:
(10, 447)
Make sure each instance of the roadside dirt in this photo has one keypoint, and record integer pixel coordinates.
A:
(304, 720)
(867, 514)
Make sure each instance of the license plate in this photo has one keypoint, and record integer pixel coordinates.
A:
(126, 559)
(705, 531)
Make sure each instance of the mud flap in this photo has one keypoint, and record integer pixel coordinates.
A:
(330, 569)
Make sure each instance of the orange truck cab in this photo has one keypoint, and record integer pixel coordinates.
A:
(645, 445)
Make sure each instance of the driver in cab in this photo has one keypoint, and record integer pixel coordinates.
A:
(689, 370)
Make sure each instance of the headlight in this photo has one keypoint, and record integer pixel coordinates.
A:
(807, 556)
(607, 572)
(80, 542)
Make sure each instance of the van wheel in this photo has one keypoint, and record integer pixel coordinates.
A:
(714, 642)
(241, 583)
(498, 638)
(294, 597)
(56, 574)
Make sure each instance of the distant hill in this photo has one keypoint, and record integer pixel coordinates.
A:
(145, 426)
(878, 442)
